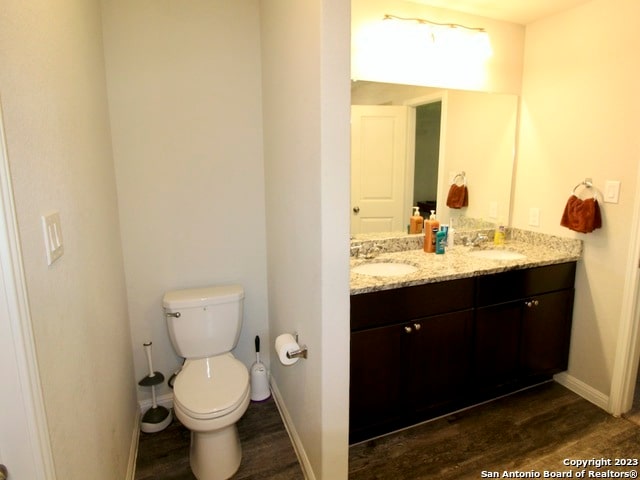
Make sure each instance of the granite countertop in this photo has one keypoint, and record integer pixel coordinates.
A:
(538, 249)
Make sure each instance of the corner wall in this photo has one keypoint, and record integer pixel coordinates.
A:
(306, 147)
(185, 100)
(580, 117)
(52, 83)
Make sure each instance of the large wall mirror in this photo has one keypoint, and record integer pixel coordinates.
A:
(410, 143)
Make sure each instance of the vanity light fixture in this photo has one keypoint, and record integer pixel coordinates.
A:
(388, 16)
(453, 35)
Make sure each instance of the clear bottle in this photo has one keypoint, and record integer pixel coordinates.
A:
(431, 228)
(416, 221)
(451, 234)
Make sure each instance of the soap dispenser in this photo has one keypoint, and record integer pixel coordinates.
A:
(416, 221)
(431, 228)
(498, 236)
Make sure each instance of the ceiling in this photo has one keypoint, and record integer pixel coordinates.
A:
(516, 11)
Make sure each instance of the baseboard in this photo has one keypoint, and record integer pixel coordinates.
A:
(585, 391)
(133, 449)
(293, 434)
(165, 400)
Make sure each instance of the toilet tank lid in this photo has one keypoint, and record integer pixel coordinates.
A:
(197, 297)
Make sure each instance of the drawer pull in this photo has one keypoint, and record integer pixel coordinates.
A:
(417, 326)
(408, 329)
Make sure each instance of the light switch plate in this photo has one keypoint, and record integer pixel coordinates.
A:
(493, 209)
(52, 236)
(534, 217)
(612, 191)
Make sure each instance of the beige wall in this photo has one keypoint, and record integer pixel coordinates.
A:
(52, 83)
(306, 122)
(185, 101)
(478, 139)
(502, 73)
(580, 118)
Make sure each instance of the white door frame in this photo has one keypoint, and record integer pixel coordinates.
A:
(443, 187)
(18, 320)
(625, 367)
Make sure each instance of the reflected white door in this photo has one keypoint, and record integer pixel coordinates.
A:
(378, 167)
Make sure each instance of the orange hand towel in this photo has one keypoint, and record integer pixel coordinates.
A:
(581, 215)
(458, 196)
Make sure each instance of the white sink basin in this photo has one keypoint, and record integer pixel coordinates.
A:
(497, 254)
(384, 269)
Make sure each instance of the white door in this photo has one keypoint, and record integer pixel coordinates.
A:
(24, 441)
(14, 427)
(378, 167)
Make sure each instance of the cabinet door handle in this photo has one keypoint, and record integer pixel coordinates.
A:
(532, 303)
(408, 329)
(417, 326)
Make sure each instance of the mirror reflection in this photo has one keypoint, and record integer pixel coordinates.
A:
(410, 144)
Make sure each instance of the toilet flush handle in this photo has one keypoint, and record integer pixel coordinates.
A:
(171, 314)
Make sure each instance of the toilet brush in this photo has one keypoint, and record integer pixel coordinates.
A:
(157, 418)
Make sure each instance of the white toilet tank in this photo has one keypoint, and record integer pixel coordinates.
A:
(204, 322)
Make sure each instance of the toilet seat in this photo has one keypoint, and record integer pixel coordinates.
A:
(212, 387)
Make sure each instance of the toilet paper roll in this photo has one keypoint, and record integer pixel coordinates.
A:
(286, 343)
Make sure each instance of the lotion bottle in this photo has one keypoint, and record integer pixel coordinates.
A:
(431, 228)
(416, 221)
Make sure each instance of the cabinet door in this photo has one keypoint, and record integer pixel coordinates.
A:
(496, 346)
(546, 331)
(376, 367)
(438, 361)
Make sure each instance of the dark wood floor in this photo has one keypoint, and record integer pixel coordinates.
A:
(532, 430)
(267, 452)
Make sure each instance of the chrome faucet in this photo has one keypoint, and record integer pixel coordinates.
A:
(373, 251)
(476, 241)
(367, 252)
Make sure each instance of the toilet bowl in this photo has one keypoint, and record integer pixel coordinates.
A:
(210, 395)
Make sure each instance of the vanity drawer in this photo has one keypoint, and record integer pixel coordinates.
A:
(517, 284)
(401, 304)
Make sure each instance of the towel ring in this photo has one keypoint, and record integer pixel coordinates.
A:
(463, 176)
(588, 184)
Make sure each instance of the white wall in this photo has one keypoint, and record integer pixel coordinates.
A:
(408, 63)
(580, 118)
(184, 94)
(52, 83)
(306, 123)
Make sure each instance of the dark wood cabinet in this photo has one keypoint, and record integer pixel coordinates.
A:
(410, 362)
(522, 327)
(546, 332)
(375, 379)
(496, 345)
(438, 363)
(423, 351)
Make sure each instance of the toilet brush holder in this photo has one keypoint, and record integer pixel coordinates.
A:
(157, 418)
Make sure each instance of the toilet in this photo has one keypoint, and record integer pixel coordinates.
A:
(211, 392)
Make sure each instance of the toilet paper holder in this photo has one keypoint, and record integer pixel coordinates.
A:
(300, 353)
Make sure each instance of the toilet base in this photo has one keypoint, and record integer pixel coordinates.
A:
(215, 455)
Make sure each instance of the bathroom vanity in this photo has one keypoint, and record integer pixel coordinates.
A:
(429, 343)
